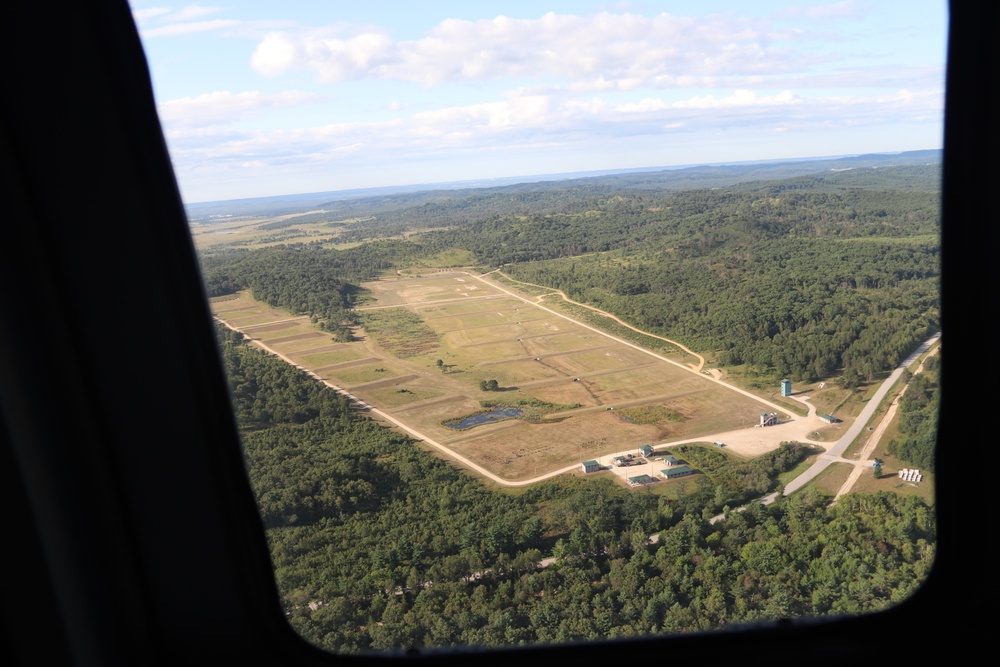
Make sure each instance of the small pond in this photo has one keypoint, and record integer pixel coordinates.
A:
(480, 418)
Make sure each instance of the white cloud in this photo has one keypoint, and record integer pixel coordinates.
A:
(273, 55)
(224, 107)
(192, 12)
(171, 16)
(622, 51)
(739, 98)
(149, 13)
(198, 128)
(846, 9)
(176, 29)
(165, 22)
(467, 121)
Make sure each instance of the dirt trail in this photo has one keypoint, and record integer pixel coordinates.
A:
(697, 367)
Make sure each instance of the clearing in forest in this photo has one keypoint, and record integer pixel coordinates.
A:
(438, 347)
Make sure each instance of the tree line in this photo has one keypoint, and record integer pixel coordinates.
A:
(377, 545)
(807, 277)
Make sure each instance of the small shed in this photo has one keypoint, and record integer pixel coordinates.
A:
(670, 461)
(591, 466)
(640, 480)
(829, 419)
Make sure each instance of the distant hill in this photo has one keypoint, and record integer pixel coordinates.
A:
(677, 177)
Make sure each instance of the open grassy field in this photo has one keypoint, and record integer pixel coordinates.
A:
(361, 374)
(430, 337)
(326, 358)
(262, 231)
(830, 480)
(891, 481)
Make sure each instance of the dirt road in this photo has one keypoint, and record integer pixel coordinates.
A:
(696, 367)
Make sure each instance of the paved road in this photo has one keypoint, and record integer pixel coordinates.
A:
(865, 459)
(838, 448)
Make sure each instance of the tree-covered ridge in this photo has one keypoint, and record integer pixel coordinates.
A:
(361, 203)
(694, 223)
(392, 215)
(378, 545)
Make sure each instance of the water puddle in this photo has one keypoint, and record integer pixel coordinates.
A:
(495, 415)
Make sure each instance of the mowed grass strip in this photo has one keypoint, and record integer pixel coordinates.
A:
(467, 322)
(656, 378)
(328, 358)
(502, 303)
(233, 308)
(484, 335)
(713, 410)
(301, 345)
(241, 300)
(606, 357)
(522, 450)
(470, 292)
(499, 351)
(394, 397)
(565, 392)
(512, 373)
(361, 374)
(264, 322)
(567, 340)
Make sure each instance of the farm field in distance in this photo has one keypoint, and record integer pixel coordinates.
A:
(431, 339)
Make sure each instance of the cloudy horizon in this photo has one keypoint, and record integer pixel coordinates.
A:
(262, 99)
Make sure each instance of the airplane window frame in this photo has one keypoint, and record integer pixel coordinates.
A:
(138, 538)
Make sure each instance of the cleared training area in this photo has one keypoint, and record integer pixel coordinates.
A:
(430, 341)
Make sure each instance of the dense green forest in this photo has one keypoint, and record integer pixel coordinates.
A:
(828, 274)
(377, 545)
(806, 277)
(918, 419)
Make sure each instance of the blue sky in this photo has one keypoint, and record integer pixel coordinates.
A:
(275, 98)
